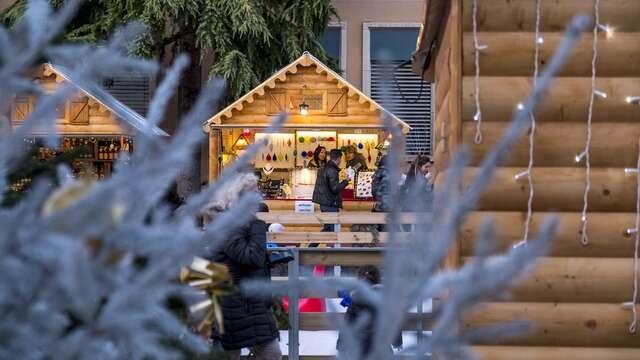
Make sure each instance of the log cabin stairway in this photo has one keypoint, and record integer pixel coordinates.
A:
(574, 298)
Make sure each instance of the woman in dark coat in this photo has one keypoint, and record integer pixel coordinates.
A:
(248, 320)
(319, 158)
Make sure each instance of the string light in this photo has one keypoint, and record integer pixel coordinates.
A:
(477, 117)
(600, 93)
(584, 237)
(608, 30)
(520, 106)
(635, 100)
(630, 231)
(532, 132)
(580, 156)
(520, 175)
(630, 170)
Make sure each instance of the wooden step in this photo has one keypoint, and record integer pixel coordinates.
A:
(566, 100)
(607, 232)
(567, 324)
(613, 144)
(511, 54)
(578, 280)
(519, 15)
(558, 189)
(554, 353)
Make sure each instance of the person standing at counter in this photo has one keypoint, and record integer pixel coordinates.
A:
(328, 186)
(319, 158)
(355, 160)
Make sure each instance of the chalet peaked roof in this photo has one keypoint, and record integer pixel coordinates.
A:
(306, 59)
(123, 112)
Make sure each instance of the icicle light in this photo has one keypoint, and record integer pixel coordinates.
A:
(532, 131)
(584, 236)
(477, 117)
(634, 301)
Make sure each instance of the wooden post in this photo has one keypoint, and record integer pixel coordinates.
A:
(214, 154)
(448, 120)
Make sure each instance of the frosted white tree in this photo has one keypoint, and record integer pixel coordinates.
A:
(86, 274)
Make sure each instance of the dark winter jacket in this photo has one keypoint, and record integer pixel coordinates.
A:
(361, 308)
(358, 159)
(248, 320)
(380, 187)
(328, 186)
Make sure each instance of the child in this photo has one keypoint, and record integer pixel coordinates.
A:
(359, 307)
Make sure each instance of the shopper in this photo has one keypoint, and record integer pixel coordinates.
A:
(328, 186)
(319, 158)
(418, 186)
(248, 320)
(355, 160)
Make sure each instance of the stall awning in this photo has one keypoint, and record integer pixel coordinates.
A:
(95, 92)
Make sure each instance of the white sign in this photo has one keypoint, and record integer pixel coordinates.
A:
(304, 207)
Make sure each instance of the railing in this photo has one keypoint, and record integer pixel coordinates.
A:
(307, 257)
(303, 229)
(299, 233)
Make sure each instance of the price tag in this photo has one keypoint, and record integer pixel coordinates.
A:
(304, 207)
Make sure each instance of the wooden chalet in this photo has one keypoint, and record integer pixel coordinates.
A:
(92, 123)
(575, 297)
(323, 109)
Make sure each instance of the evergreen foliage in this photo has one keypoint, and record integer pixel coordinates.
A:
(249, 39)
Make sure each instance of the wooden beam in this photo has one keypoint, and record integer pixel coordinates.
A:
(564, 324)
(352, 217)
(588, 280)
(557, 353)
(558, 189)
(214, 154)
(350, 257)
(328, 321)
(607, 232)
(329, 237)
(566, 100)
(509, 54)
(519, 15)
(557, 144)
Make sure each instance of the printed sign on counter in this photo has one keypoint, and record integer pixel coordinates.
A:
(304, 207)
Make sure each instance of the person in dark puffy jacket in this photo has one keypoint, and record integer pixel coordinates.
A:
(379, 186)
(248, 320)
(328, 186)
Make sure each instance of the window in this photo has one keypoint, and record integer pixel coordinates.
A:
(133, 91)
(334, 42)
(387, 49)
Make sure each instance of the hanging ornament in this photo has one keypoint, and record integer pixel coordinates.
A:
(275, 158)
(286, 157)
(301, 139)
(268, 157)
(295, 152)
(360, 146)
(303, 154)
(289, 142)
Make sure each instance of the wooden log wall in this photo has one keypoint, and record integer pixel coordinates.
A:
(574, 297)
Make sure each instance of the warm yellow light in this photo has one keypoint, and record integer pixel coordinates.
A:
(241, 143)
(304, 109)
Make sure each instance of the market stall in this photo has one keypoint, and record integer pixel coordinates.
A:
(325, 111)
(94, 127)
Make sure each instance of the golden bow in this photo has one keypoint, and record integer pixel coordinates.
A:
(214, 280)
